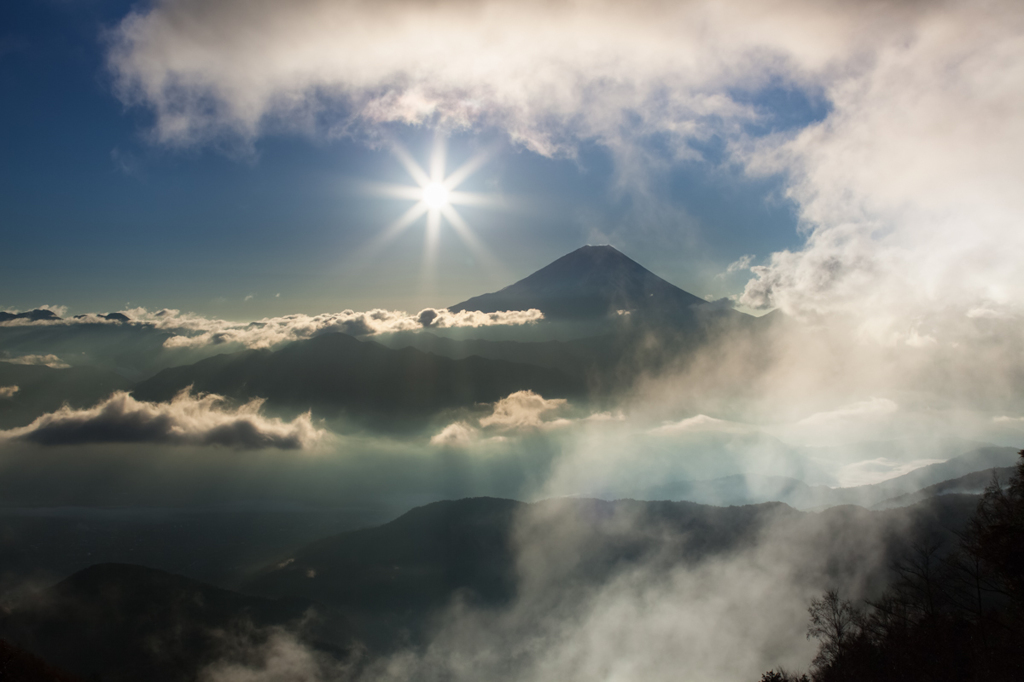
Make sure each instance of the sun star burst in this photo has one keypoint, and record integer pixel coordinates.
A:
(436, 195)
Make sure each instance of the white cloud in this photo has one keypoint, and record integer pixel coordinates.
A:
(196, 331)
(738, 265)
(49, 360)
(855, 411)
(274, 331)
(988, 314)
(523, 409)
(8, 391)
(185, 420)
(909, 189)
(703, 422)
(457, 434)
(876, 470)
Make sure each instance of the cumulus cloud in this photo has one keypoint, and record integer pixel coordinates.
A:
(8, 391)
(549, 73)
(522, 412)
(185, 420)
(457, 434)
(523, 409)
(49, 360)
(909, 189)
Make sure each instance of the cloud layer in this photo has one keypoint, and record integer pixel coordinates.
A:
(197, 331)
(274, 331)
(185, 420)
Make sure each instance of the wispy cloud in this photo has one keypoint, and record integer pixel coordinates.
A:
(8, 391)
(740, 264)
(185, 420)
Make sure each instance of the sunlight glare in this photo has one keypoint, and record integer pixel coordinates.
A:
(435, 195)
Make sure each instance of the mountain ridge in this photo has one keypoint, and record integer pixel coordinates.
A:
(590, 282)
(336, 372)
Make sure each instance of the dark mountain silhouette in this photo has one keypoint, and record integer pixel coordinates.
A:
(981, 459)
(415, 562)
(393, 577)
(969, 484)
(219, 546)
(33, 315)
(336, 372)
(18, 665)
(382, 586)
(578, 357)
(124, 622)
(44, 389)
(117, 317)
(592, 281)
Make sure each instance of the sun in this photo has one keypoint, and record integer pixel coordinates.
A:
(435, 195)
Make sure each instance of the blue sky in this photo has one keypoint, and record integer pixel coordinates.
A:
(95, 214)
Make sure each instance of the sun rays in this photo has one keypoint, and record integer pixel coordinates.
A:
(436, 196)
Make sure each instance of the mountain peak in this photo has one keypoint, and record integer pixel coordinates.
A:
(31, 315)
(592, 281)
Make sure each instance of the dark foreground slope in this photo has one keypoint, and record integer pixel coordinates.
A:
(386, 587)
(335, 373)
(19, 665)
(485, 550)
(124, 622)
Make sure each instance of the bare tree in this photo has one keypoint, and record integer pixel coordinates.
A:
(834, 622)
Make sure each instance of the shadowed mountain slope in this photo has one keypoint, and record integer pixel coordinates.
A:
(44, 389)
(982, 459)
(592, 281)
(477, 547)
(125, 622)
(30, 315)
(577, 357)
(336, 372)
(18, 665)
(969, 484)
(384, 586)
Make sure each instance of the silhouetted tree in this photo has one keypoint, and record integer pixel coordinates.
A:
(781, 675)
(956, 617)
(995, 535)
(835, 622)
